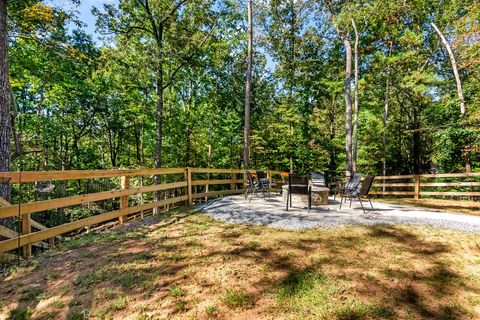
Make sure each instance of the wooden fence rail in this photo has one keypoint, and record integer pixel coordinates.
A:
(187, 196)
(422, 185)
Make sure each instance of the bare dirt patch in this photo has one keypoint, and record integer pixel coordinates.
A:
(198, 268)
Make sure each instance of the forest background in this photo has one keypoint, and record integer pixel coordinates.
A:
(162, 83)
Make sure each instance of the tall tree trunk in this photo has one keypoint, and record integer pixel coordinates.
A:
(416, 141)
(248, 89)
(159, 114)
(14, 115)
(333, 155)
(384, 128)
(5, 190)
(466, 153)
(355, 109)
(345, 37)
(348, 104)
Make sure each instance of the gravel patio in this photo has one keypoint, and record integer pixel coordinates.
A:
(271, 212)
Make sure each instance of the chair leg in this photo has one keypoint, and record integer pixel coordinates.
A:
(350, 201)
(254, 193)
(371, 205)
(309, 201)
(287, 201)
(341, 201)
(359, 199)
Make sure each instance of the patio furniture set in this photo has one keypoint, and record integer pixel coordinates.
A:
(313, 186)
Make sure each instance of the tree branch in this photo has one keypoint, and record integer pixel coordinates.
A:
(175, 8)
(174, 73)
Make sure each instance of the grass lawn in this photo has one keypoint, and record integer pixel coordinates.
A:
(198, 268)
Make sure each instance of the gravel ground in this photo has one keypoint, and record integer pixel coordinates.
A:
(272, 213)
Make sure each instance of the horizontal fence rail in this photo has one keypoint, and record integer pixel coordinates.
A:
(179, 186)
(459, 185)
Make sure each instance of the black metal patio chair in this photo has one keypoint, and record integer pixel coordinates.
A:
(363, 191)
(298, 184)
(318, 178)
(253, 187)
(350, 186)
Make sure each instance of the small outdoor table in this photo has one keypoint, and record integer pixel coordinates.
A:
(299, 198)
(320, 195)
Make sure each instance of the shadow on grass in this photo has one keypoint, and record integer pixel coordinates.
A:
(309, 288)
(135, 266)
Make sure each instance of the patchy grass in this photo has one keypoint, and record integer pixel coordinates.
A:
(454, 206)
(203, 269)
(237, 299)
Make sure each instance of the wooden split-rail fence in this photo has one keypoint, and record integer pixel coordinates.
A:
(444, 185)
(181, 186)
(189, 185)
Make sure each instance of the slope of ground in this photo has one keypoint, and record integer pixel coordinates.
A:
(198, 268)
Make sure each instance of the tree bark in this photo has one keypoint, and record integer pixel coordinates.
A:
(385, 119)
(5, 122)
(248, 89)
(348, 99)
(159, 113)
(14, 115)
(348, 104)
(355, 108)
(384, 123)
(466, 154)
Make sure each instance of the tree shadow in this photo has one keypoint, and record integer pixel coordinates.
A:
(142, 268)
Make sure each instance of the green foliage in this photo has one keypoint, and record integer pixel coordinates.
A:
(87, 105)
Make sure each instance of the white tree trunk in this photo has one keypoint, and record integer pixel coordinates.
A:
(355, 104)
(466, 154)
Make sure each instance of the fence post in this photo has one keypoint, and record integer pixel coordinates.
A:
(26, 229)
(189, 187)
(233, 186)
(417, 187)
(124, 184)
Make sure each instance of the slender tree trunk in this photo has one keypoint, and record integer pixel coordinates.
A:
(355, 109)
(248, 89)
(159, 114)
(384, 128)
(5, 122)
(333, 156)
(345, 37)
(348, 104)
(466, 153)
(416, 141)
(14, 115)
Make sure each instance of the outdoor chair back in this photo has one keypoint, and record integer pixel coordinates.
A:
(253, 187)
(352, 183)
(298, 184)
(318, 178)
(365, 188)
(262, 178)
(359, 191)
(250, 180)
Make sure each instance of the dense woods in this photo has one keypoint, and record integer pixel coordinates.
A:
(335, 84)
